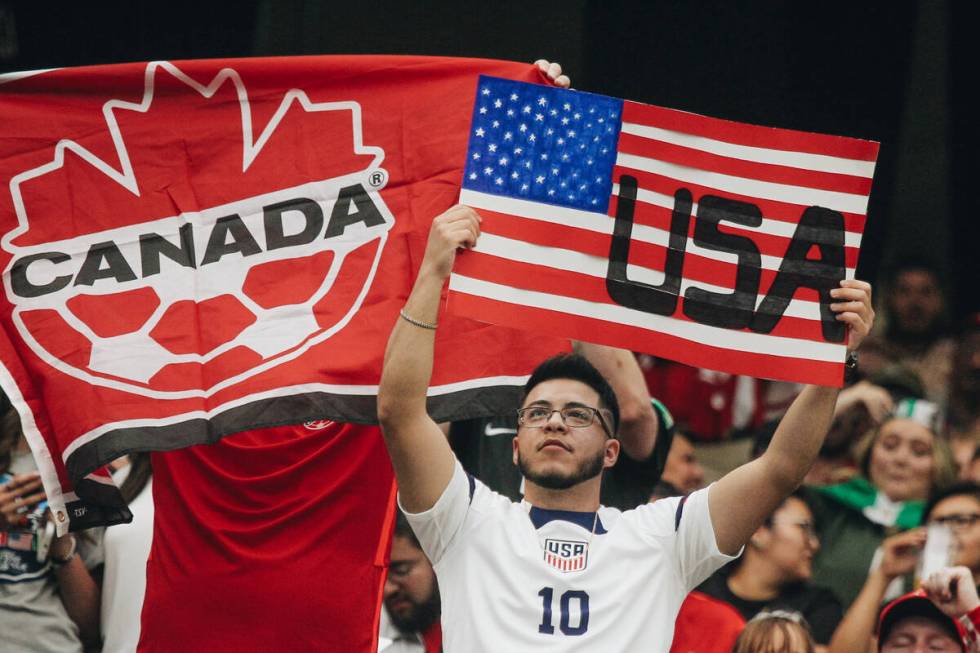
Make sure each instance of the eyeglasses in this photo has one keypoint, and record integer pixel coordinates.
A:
(957, 521)
(576, 417)
(808, 527)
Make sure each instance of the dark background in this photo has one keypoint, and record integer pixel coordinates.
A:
(899, 72)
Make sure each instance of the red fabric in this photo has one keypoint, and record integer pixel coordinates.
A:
(706, 625)
(433, 638)
(306, 186)
(700, 401)
(270, 540)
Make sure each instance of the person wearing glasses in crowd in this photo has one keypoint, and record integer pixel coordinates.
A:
(958, 508)
(558, 570)
(774, 571)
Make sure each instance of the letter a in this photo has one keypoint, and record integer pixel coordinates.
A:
(823, 229)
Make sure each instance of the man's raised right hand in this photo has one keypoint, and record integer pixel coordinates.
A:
(459, 227)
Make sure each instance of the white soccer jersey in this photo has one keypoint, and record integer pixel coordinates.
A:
(516, 578)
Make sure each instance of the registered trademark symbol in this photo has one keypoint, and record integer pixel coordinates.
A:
(378, 178)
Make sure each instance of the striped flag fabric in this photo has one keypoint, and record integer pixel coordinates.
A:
(706, 241)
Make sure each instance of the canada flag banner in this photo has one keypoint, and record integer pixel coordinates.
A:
(193, 249)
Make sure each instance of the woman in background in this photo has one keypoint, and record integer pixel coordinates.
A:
(903, 460)
(774, 571)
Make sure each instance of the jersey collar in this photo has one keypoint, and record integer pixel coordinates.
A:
(541, 516)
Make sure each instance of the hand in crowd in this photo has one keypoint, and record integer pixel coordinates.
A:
(900, 553)
(457, 227)
(17, 497)
(852, 303)
(875, 399)
(553, 71)
(952, 590)
(61, 545)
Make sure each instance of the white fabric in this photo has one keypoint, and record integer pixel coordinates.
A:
(127, 547)
(489, 560)
(392, 640)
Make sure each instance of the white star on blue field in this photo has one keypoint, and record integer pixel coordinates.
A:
(543, 143)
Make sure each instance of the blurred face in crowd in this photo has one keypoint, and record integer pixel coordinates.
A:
(902, 460)
(411, 595)
(962, 514)
(962, 450)
(555, 455)
(915, 301)
(790, 542)
(682, 469)
(915, 634)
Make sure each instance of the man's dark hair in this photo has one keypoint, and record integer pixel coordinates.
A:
(403, 529)
(963, 488)
(576, 368)
(914, 262)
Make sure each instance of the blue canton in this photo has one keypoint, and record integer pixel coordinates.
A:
(543, 143)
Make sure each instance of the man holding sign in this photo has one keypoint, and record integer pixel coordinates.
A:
(558, 570)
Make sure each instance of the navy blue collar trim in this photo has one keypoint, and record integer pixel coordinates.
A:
(541, 516)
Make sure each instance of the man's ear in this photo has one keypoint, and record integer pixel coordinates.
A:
(760, 538)
(611, 453)
(514, 443)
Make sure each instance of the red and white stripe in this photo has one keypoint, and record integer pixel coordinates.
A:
(576, 563)
(551, 261)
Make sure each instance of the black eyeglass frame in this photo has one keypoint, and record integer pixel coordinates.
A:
(596, 413)
(957, 521)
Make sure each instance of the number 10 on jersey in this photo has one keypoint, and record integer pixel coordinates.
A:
(571, 600)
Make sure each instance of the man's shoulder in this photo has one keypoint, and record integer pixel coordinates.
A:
(662, 516)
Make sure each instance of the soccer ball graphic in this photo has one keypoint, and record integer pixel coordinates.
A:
(189, 303)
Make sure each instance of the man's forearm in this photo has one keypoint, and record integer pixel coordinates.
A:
(408, 357)
(420, 454)
(81, 597)
(853, 634)
(799, 436)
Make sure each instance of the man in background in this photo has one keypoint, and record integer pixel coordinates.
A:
(915, 332)
(410, 620)
(682, 473)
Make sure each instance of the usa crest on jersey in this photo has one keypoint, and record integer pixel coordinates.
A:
(566, 555)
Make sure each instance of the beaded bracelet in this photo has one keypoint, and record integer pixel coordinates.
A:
(419, 323)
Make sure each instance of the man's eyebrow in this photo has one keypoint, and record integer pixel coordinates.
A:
(539, 402)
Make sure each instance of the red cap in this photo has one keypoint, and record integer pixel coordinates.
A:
(916, 604)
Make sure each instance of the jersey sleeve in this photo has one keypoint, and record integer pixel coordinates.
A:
(696, 548)
(438, 526)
